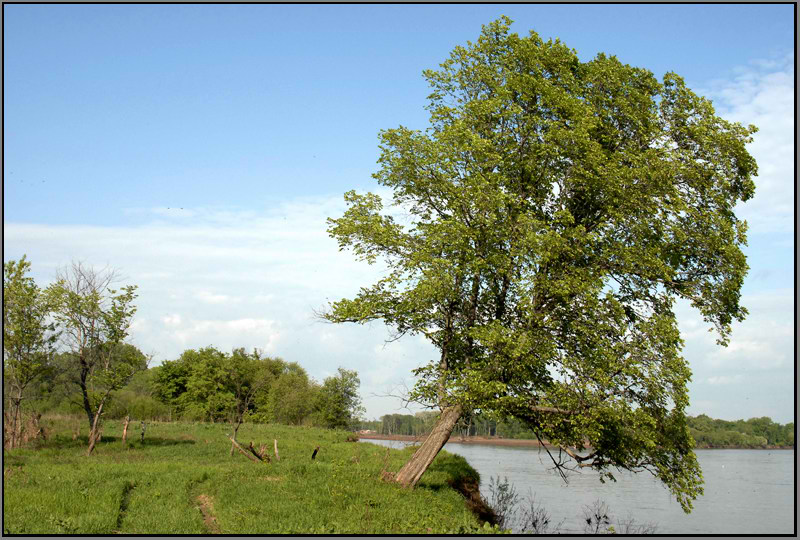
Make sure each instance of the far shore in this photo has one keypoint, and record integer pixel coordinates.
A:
(499, 441)
(495, 441)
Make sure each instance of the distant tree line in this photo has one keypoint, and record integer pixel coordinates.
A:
(707, 432)
(477, 425)
(66, 350)
(752, 433)
(209, 385)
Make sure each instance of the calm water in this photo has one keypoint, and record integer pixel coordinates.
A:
(746, 491)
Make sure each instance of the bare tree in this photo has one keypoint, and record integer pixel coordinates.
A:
(95, 320)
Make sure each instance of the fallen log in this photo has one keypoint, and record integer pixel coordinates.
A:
(244, 452)
(259, 455)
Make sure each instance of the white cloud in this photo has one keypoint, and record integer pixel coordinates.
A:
(755, 369)
(236, 279)
(172, 320)
(762, 93)
(228, 334)
(211, 298)
(723, 379)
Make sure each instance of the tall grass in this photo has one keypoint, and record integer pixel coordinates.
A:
(182, 480)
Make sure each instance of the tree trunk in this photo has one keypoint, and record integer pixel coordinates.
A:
(412, 471)
(235, 431)
(9, 429)
(94, 433)
(16, 424)
(125, 429)
(87, 406)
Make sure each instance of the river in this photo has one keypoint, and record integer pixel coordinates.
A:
(746, 491)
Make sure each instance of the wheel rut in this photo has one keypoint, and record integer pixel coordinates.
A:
(207, 509)
(124, 501)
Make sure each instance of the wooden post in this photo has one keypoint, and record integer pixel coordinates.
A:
(125, 429)
(277, 457)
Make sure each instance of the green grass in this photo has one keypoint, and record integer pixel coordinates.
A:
(160, 485)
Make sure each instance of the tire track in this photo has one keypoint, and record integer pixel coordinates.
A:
(207, 509)
(124, 501)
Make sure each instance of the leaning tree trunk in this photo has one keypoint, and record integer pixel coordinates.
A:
(235, 431)
(94, 433)
(412, 471)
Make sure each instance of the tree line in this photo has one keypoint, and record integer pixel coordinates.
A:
(707, 432)
(753, 433)
(65, 350)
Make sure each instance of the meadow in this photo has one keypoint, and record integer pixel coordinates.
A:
(181, 479)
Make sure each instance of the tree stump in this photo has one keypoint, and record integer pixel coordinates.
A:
(125, 429)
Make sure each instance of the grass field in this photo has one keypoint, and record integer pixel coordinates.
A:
(182, 480)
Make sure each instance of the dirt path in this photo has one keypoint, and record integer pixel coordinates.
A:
(207, 509)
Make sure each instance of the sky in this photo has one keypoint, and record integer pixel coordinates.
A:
(199, 149)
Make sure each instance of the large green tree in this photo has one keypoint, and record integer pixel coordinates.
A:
(29, 339)
(94, 320)
(552, 214)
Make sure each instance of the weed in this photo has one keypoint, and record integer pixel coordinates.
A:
(535, 519)
(503, 501)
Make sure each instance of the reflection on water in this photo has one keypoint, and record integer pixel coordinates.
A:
(746, 491)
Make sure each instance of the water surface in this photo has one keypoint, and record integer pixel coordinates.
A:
(746, 491)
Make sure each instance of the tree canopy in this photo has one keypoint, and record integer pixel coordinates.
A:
(339, 403)
(549, 219)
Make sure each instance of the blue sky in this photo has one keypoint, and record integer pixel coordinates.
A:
(199, 149)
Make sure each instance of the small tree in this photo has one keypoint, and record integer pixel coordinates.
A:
(553, 213)
(95, 320)
(29, 338)
(339, 402)
(248, 376)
